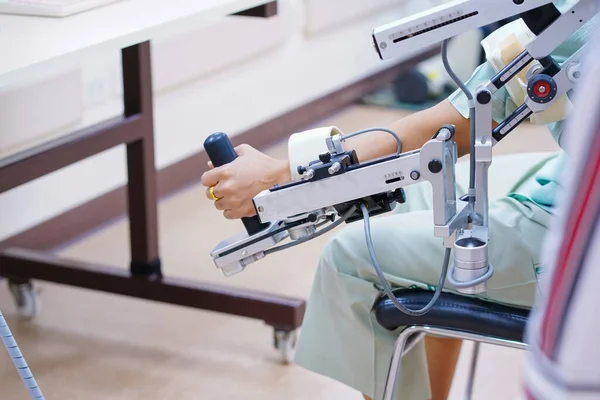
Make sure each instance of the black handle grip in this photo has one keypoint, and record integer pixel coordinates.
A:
(221, 152)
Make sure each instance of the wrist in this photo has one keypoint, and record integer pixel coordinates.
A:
(284, 174)
(279, 174)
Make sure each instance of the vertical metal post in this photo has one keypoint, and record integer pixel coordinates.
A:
(141, 169)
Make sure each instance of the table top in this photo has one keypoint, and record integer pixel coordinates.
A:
(31, 46)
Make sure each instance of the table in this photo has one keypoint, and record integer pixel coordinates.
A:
(45, 44)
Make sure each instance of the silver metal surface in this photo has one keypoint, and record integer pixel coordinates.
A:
(335, 144)
(236, 261)
(335, 167)
(444, 134)
(443, 183)
(534, 69)
(432, 26)
(563, 82)
(471, 255)
(458, 220)
(481, 191)
(470, 263)
(352, 185)
(472, 370)
(574, 72)
(561, 29)
(407, 333)
(302, 231)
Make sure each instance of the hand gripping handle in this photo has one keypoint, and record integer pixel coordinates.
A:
(221, 152)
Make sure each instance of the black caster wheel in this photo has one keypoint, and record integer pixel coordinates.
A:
(285, 342)
(26, 298)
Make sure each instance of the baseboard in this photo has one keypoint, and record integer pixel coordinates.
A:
(97, 212)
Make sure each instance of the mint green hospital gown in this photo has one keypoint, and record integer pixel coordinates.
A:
(340, 337)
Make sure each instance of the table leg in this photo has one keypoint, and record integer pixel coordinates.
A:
(141, 169)
(135, 130)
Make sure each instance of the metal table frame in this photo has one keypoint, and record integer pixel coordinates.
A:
(145, 277)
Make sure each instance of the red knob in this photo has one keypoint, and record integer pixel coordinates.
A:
(542, 89)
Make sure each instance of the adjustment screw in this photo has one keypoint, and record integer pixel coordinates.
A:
(301, 170)
(335, 167)
(325, 157)
(414, 175)
(310, 174)
(435, 166)
(261, 209)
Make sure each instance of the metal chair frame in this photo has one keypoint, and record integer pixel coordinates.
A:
(417, 332)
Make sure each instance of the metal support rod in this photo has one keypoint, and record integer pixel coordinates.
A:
(472, 371)
(406, 335)
(141, 168)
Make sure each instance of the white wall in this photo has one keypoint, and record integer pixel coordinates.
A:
(258, 69)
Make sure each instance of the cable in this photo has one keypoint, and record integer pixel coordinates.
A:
(384, 282)
(398, 142)
(462, 285)
(323, 231)
(472, 139)
(19, 361)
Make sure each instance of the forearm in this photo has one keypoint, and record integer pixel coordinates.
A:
(414, 131)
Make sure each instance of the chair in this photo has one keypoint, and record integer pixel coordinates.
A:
(453, 316)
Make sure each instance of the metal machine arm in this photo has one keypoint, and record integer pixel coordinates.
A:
(337, 184)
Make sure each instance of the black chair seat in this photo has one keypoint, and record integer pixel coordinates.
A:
(454, 312)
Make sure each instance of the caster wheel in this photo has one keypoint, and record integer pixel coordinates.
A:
(26, 299)
(285, 343)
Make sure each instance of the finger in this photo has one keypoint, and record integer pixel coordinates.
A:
(221, 205)
(211, 177)
(242, 149)
(228, 203)
(208, 196)
(232, 214)
(220, 190)
(240, 212)
(210, 165)
(250, 211)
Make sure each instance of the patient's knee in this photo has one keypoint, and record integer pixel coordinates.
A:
(343, 253)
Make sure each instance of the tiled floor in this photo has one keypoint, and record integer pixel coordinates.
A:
(87, 345)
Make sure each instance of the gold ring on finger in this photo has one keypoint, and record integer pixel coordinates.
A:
(211, 192)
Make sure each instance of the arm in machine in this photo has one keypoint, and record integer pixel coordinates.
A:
(337, 188)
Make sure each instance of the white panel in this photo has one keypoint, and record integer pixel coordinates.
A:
(244, 96)
(32, 114)
(66, 41)
(200, 52)
(34, 202)
(323, 15)
(232, 99)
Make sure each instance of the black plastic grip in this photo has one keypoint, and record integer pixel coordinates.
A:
(221, 152)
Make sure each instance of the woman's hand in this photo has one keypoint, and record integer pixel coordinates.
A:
(237, 183)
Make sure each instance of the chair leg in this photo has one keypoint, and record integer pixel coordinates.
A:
(472, 369)
(395, 364)
(404, 342)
